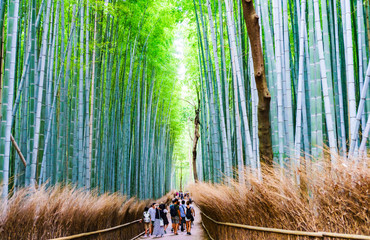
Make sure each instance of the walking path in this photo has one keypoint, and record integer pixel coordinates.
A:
(197, 232)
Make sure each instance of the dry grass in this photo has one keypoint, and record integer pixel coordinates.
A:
(331, 200)
(56, 212)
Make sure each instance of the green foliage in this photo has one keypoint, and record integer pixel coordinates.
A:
(97, 107)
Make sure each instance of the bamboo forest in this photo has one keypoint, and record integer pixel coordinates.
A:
(257, 113)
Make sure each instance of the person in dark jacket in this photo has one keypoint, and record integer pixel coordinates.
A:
(165, 218)
(159, 222)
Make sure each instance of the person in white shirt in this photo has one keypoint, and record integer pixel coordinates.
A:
(146, 220)
(152, 217)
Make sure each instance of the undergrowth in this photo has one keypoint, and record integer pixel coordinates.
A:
(329, 199)
(54, 212)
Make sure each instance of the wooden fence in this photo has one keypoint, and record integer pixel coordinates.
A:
(225, 230)
(117, 232)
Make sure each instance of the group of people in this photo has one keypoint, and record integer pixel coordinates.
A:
(181, 195)
(182, 215)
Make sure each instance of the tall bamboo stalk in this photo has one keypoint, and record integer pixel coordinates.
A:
(8, 94)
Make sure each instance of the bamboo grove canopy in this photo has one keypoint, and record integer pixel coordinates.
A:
(86, 93)
(316, 55)
(90, 88)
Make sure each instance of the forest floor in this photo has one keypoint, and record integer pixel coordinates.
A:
(197, 232)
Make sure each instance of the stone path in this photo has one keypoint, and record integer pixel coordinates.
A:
(197, 232)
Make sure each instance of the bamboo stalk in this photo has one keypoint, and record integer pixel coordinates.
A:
(301, 95)
(227, 169)
(327, 102)
(8, 95)
(18, 150)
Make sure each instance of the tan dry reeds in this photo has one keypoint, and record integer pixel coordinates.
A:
(328, 200)
(63, 211)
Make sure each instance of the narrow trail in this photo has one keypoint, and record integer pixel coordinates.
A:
(197, 232)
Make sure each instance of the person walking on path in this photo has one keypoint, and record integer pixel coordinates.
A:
(182, 214)
(165, 219)
(193, 209)
(175, 215)
(159, 222)
(189, 217)
(146, 220)
(152, 217)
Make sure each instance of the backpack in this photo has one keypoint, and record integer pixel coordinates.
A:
(146, 217)
(173, 211)
(188, 213)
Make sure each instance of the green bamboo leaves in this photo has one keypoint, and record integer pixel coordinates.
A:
(82, 114)
(89, 89)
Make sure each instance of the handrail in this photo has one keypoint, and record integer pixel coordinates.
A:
(289, 232)
(137, 236)
(99, 231)
(209, 235)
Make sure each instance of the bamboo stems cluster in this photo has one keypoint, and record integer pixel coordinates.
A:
(316, 56)
(81, 95)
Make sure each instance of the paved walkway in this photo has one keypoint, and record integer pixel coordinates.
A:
(197, 232)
